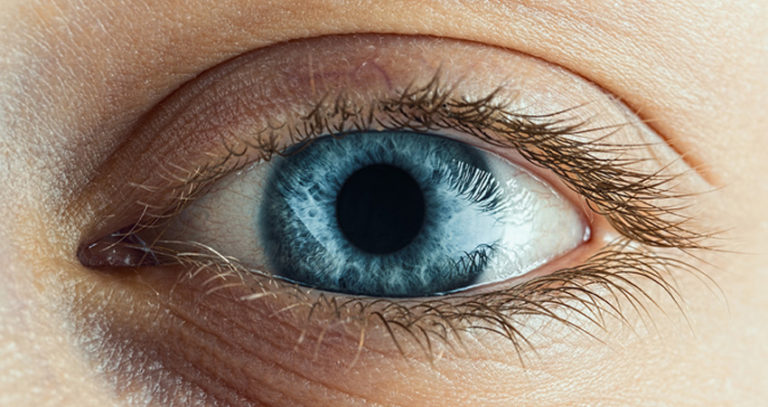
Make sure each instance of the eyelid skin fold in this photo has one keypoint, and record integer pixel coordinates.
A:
(272, 96)
(263, 102)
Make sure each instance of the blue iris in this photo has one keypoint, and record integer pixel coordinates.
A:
(395, 214)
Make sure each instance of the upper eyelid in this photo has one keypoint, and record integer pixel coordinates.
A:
(433, 107)
(174, 172)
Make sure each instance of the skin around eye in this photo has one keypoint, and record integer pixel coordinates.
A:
(255, 106)
(338, 215)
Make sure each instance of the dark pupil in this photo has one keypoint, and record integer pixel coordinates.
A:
(380, 208)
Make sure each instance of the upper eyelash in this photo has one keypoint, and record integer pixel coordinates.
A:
(477, 186)
(641, 206)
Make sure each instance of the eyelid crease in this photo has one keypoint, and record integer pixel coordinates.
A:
(640, 205)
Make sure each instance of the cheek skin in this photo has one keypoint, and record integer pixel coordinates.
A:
(257, 350)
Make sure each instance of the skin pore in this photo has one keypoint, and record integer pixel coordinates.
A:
(78, 80)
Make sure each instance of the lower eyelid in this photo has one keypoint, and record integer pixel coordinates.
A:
(306, 313)
(179, 330)
(393, 327)
(281, 299)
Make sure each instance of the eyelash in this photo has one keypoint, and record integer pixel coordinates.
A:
(641, 206)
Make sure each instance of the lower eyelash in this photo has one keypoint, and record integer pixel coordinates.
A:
(592, 292)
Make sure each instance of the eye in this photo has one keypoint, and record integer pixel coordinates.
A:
(392, 168)
(393, 214)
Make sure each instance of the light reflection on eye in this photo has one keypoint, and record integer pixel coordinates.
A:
(390, 214)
